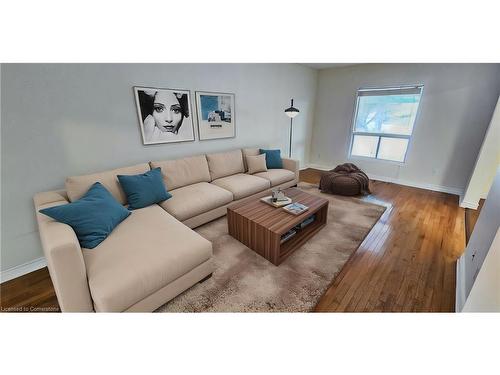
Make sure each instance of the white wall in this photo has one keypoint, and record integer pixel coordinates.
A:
(484, 295)
(471, 261)
(486, 165)
(456, 107)
(68, 119)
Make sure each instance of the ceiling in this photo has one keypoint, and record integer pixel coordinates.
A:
(326, 65)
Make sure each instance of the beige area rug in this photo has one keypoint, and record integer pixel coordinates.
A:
(243, 281)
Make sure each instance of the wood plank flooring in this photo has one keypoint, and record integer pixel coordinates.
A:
(471, 217)
(32, 292)
(406, 263)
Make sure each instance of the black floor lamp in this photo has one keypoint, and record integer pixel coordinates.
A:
(291, 112)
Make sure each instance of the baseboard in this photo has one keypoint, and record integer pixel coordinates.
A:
(319, 166)
(22, 269)
(469, 204)
(420, 185)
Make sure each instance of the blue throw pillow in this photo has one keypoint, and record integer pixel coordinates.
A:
(273, 159)
(145, 189)
(93, 217)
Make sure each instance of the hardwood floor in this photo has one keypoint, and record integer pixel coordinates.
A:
(29, 293)
(406, 263)
(471, 217)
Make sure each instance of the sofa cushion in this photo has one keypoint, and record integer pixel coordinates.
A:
(249, 152)
(144, 253)
(77, 186)
(242, 185)
(192, 200)
(225, 164)
(182, 172)
(93, 217)
(256, 164)
(144, 189)
(277, 176)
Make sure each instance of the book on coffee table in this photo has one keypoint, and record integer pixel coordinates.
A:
(280, 203)
(296, 208)
(285, 237)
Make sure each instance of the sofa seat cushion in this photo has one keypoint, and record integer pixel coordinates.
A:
(144, 253)
(192, 200)
(277, 176)
(242, 185)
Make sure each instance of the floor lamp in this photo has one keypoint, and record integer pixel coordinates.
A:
(291, 112)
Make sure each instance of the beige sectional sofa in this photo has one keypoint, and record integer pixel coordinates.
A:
(153, 255)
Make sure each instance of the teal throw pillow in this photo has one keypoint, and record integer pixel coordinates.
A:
(144, 189)
(93, 217)
(273, 159)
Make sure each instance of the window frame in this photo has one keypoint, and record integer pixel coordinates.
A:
(352, 131)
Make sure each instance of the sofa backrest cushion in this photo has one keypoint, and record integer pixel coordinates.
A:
(225, 164)
(249, 152)
(183, 172)
(77, 186)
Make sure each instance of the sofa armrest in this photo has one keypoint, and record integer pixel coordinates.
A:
(65, 262)
(292, 165)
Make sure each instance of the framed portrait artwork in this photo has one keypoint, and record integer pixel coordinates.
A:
(215, 115)
(165, 115)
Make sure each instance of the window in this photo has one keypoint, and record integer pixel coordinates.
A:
(383, 122)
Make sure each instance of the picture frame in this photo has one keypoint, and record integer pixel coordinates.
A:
(165, 115)
(216, 115)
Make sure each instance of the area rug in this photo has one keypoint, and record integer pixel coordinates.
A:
(243, 281)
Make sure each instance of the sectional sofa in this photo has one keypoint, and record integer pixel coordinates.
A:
(154, 254)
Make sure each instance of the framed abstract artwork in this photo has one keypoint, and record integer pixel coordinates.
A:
(165, 115)
(215, 115)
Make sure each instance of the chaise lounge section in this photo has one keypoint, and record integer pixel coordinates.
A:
(153, 255)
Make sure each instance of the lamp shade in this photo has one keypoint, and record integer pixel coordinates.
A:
(291, 111)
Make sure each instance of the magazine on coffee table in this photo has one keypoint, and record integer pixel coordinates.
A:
(296, 208)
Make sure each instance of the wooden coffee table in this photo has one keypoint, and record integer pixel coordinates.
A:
(260, 226)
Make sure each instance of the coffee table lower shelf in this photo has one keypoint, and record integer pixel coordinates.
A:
(288, 247)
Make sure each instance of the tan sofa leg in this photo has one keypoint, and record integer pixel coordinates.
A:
(205, 278)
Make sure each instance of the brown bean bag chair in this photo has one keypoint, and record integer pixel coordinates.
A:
(345, 179)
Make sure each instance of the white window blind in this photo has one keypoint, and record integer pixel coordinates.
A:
(383, 122)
